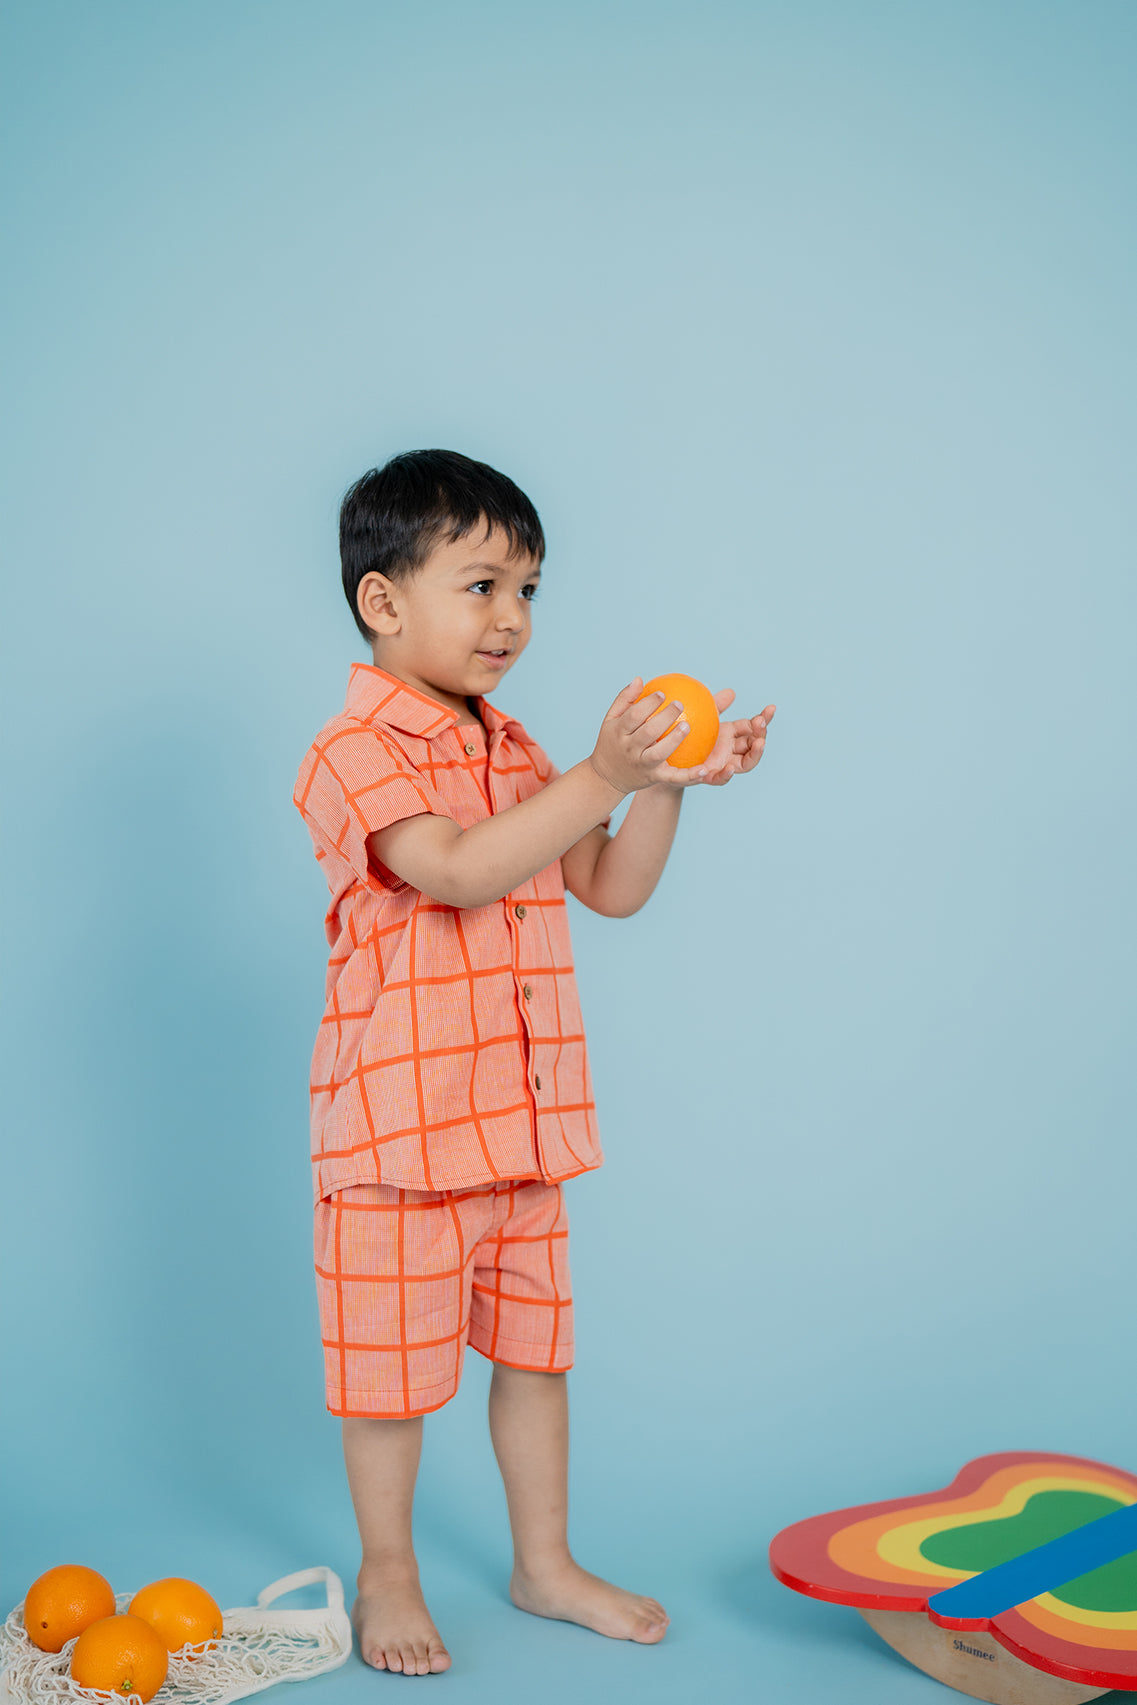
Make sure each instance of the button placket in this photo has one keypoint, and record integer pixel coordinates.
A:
(527, 990)
(527, 993)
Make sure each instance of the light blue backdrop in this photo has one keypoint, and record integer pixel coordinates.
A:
(809, 329)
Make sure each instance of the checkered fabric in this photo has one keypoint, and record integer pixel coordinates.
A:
(407, 1277)
(451, 1051)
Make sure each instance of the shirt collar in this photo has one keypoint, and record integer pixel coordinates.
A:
(375, 696)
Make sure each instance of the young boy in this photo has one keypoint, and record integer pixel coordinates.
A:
(451, 1094)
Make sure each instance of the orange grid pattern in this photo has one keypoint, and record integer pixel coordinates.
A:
(452, 1051)
(406, 1278)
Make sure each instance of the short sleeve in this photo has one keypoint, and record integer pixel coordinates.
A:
(353, 782)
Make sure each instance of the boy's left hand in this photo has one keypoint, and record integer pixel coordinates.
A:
(740, 744)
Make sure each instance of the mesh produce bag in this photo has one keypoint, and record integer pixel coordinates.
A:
(258, 1647)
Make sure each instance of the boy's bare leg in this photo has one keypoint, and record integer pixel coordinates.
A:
(391, 1621)
(529, 1427)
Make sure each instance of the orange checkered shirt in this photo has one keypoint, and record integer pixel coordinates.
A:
(451, 1051)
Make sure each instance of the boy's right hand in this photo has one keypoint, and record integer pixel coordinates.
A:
(632, 749)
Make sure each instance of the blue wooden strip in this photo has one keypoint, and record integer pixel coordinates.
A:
(1041, 1570)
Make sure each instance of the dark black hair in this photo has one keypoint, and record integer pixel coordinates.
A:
(392, 517)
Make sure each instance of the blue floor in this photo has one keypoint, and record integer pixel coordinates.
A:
(735, 1635)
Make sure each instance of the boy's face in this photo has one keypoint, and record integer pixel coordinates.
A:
(437, 630)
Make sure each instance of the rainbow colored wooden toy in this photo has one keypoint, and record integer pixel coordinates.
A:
(1017, 1583)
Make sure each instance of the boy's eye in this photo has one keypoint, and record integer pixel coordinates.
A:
(531, 588)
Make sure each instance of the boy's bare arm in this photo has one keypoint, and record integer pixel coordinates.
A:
(617, 874)
(481, 864)
(475, 866)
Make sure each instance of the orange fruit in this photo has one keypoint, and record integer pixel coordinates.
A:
(121, 1654)
(63, 1602)
(699, 711)
(179, 1611)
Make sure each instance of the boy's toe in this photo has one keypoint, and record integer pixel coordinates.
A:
(650, 1633)
(439, 1660)
(652, 1623)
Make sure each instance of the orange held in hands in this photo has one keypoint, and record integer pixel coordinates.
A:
(699, 711)
(180, 1612)
(120, 1654)
(63, 1602)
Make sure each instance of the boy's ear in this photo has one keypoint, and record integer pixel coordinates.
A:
(374, 601)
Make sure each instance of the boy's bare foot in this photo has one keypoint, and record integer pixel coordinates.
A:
(570, 1594)
(393, 1625)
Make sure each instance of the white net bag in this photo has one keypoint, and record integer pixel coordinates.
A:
(258, 1647)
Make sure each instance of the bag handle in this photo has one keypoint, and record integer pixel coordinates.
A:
(306, 1578)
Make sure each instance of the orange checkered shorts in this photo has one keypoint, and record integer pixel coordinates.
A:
(406, 1277)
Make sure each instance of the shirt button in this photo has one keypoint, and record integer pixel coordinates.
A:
(469, 749)
(537, 1081)
(527, 991)
(520, 910)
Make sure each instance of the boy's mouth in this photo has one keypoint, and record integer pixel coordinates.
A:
(495, 659)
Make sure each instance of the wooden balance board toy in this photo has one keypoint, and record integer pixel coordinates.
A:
(1017, 1583)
